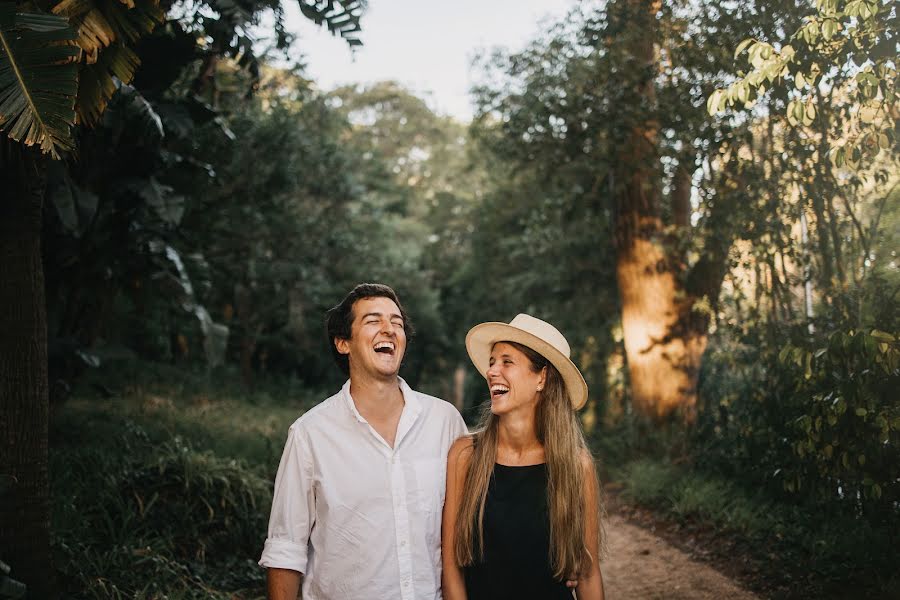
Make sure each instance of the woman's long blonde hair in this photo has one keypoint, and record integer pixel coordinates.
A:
(559, 431)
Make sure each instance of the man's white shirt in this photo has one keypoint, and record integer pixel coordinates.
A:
(359, 519)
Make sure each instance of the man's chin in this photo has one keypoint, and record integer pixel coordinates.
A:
(389, 371)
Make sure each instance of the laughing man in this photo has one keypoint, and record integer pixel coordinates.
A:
(359, 492)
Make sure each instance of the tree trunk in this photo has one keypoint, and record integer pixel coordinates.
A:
(459, 387)
(24, 481)
(681, 197)
(663, 354)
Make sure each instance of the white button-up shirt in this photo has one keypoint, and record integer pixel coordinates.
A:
(359, 519)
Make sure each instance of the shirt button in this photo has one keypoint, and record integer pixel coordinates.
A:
(403, 543)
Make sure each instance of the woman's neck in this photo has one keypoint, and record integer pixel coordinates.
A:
(517, 442)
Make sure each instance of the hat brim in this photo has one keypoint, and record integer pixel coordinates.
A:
(481, 339)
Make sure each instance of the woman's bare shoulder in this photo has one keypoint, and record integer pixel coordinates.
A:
(461, 445)
(460, 452)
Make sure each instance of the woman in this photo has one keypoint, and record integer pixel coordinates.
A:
(521, 514)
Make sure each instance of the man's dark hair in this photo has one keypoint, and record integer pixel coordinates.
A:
(339, 319)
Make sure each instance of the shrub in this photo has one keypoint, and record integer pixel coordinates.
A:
(847, 438)
(139, 518)
(816, 421)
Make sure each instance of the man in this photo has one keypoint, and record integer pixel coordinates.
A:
(360, 489)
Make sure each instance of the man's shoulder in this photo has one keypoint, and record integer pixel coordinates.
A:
(319, 415)
(437, 406)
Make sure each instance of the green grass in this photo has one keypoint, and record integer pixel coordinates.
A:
(163, 490)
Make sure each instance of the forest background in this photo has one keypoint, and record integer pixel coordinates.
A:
(702, 195)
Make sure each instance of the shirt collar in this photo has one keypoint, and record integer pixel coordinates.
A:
(411, 404)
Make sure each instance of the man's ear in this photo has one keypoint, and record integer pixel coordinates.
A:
(342, 345)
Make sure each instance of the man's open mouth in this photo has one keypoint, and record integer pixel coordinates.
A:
(384, 347)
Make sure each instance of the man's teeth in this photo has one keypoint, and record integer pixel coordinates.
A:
(384, 347)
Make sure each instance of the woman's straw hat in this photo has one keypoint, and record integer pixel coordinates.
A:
(540, 336)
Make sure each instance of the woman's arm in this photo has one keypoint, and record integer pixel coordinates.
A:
(590, 584)
(452, 583)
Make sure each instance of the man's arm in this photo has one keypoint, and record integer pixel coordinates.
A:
(292, 519)
(284, 584)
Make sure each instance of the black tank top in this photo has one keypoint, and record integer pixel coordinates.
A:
(516, 562)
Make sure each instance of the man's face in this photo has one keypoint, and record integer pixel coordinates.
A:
(377, 338)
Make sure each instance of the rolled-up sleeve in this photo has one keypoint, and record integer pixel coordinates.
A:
(293, 506)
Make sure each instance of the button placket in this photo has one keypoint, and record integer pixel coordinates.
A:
(401, 526)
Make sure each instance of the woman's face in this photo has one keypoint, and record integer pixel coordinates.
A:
(513, 385)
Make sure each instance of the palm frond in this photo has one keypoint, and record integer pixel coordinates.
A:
(97, 85)
(105, 27)
(341, 17)
(100, 23)
(38, 78)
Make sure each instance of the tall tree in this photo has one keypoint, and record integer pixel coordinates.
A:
(662, 360)
(619, 91)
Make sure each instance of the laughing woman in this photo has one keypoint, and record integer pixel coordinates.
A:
(521, 514)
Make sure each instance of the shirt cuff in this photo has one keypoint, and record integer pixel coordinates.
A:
(284, 554)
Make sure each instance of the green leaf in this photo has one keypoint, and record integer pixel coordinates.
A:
(809, 113)
(38, 79)
(800, 80)
(742, 92)
(882, 336)
(712, 104)
(98, 81)
(742, 46)
(838, 157)
(861, 412)
(167, 206)
(75, 207)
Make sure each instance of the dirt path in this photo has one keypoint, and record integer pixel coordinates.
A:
(644, 567)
